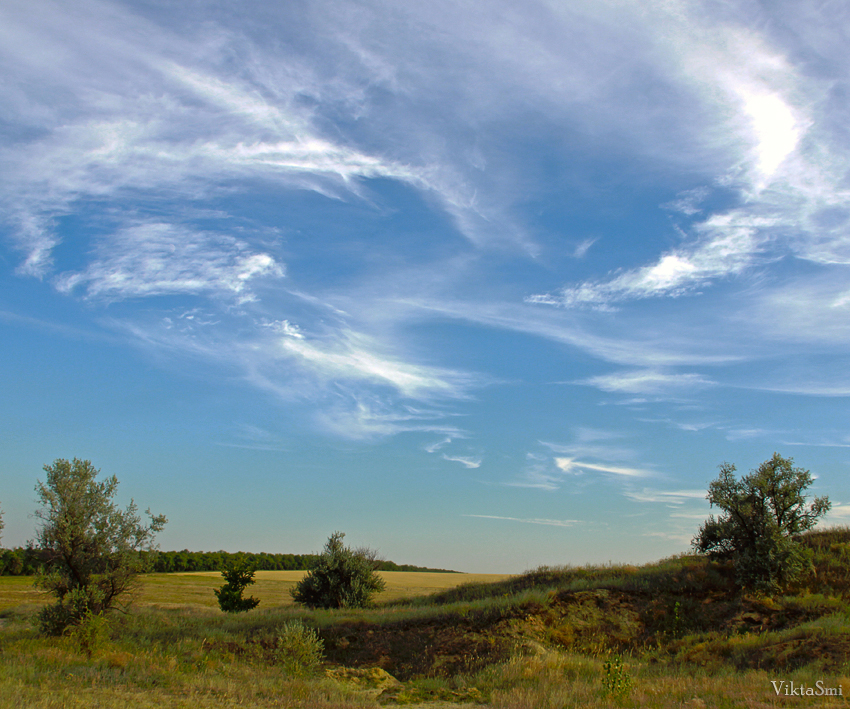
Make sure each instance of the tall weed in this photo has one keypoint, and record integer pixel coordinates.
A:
(616, 679)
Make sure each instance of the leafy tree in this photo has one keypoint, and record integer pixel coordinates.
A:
(11, 563)
(93, 550)
(762, 514)
(1, 524)
(238, 575)
(340, 578)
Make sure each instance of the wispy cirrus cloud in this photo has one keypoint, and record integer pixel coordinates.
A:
(573, 466)
(146, 120)
(355, 385)
(468, 461)
(539, 473)
(733, 247)
(465, 460)
(158, 259)
(668, 497)
(786, 164)
(546, 522)
(363, 416)
(434, 447)
(132, 160)
(595, 453)
(356, 356)
(650, 382)
(143, 118)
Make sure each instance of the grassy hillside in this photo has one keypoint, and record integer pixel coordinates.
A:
(673, 633)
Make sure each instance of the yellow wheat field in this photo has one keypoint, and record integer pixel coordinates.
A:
(271, 587)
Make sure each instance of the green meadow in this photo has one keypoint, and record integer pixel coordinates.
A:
(676, 633)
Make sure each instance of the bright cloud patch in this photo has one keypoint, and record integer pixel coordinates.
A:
(775, 128)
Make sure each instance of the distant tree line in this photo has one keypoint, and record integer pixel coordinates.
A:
(21, 561)
(185, 560)
(392, 566)
(26, 561)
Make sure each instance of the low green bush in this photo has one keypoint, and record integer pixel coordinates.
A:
(299, 650)
(90, 634)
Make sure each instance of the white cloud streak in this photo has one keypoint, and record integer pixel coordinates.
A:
(572, 466)
(356, 356)
(733, 244)
(190, 134)
(434, 447)
(356, 387)
(534, 520)
(159, 259)
(668, 497)
(648, 382)
(465, 461)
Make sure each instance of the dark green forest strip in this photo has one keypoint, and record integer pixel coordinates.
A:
(26, 561)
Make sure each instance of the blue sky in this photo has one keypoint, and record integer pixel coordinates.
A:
(483, 285)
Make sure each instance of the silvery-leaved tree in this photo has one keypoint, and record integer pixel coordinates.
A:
(340, 577)
(762, 514)
(93, 550)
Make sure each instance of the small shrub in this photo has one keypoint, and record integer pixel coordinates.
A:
(90, 634)
(238, 575)
(299, 649)
(76, 605)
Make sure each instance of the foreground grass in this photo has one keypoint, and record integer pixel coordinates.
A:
(670, 634)
(192, 659)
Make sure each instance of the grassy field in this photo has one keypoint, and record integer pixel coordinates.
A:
(272, 587)
(195, 589)
(671, 634)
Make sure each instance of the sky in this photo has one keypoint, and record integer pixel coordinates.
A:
(484, 285)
